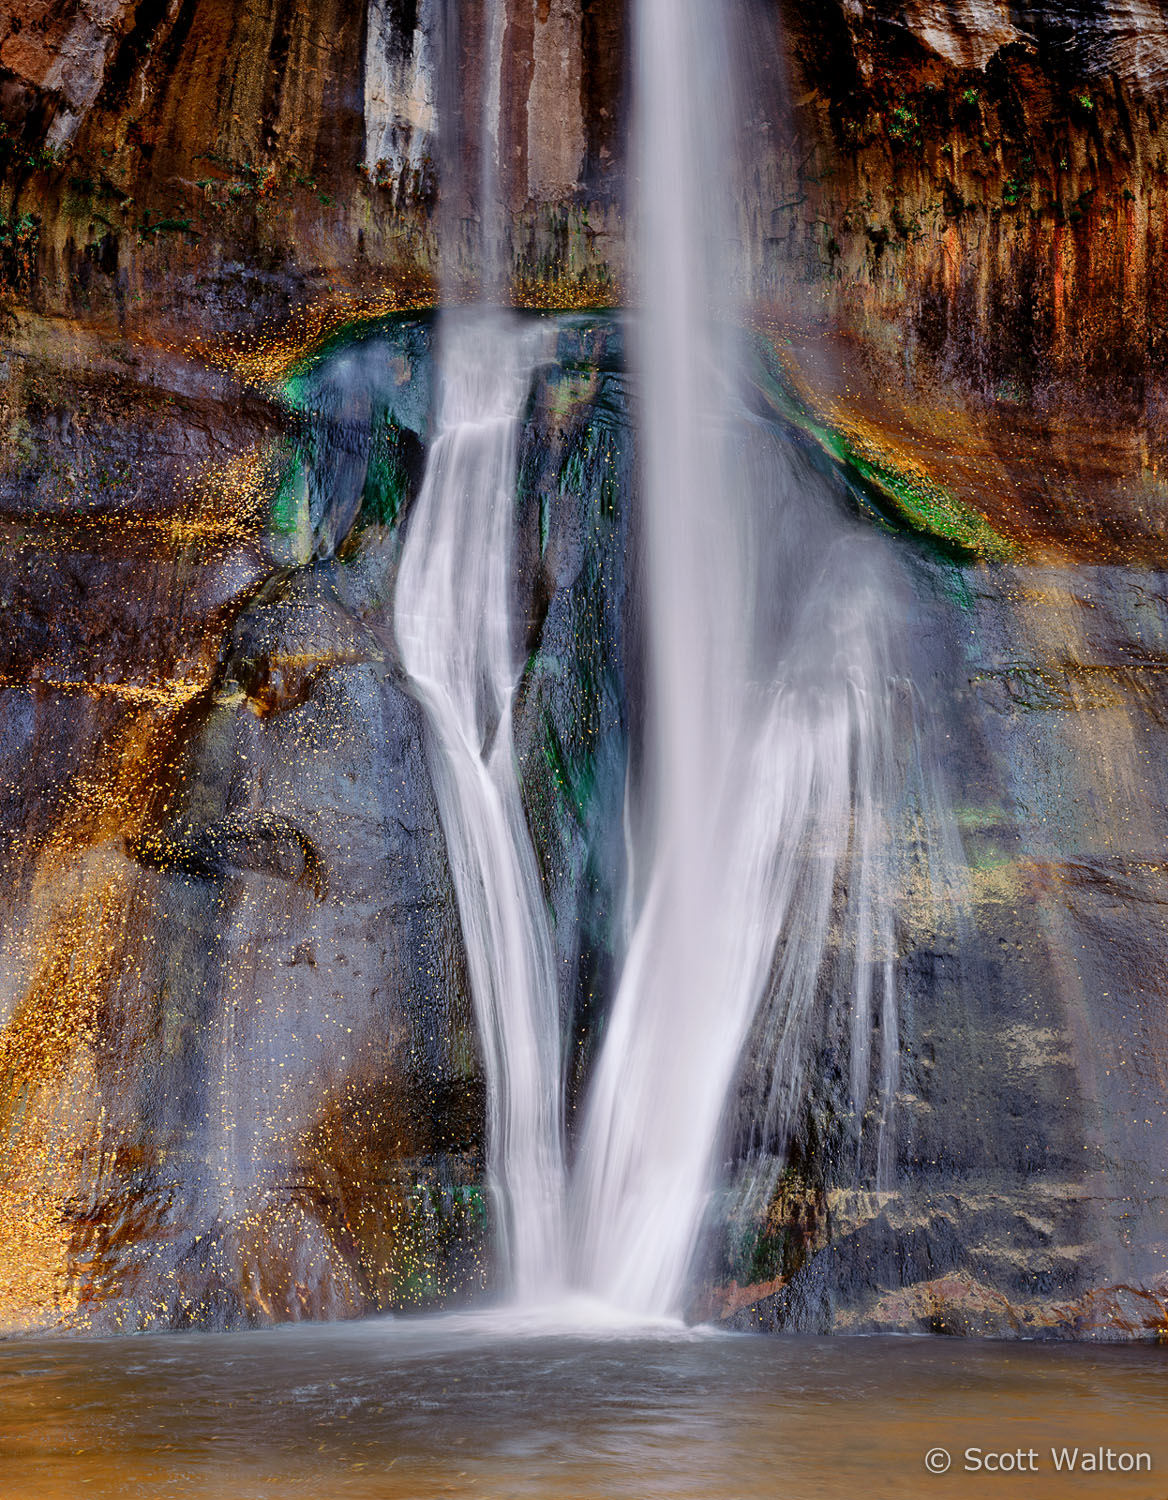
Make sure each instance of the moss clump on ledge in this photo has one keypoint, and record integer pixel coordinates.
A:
(268, 356)
(899, 489)
(917, 501)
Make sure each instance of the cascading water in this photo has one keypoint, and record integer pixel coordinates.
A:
(770, 768)
(453, 625)
(454, 631)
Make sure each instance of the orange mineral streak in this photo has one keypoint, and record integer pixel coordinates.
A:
(59, 1048)
(50, 1093)
(80, 1004)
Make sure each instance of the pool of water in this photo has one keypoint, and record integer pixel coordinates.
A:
(480, 1407)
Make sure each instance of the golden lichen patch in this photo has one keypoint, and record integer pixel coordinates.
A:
(268, 356)
(229, 500)
(173, 693)
(224, 501)
(56, 1131)
(566, 294)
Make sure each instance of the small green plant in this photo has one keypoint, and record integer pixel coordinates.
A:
(1081, 205)
(246, 181)
(1017, 185)
(1084, 101)
(381, 174)
(19, 238)
(907, 226)
(154, 227)
(43, 158)
(970, 97)
(855, 132)
(903, 124)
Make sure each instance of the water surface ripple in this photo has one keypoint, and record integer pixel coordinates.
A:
(468, 1405)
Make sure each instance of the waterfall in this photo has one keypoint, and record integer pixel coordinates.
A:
(776, 752)
(769, 773)
(453, 624)
(453, 627)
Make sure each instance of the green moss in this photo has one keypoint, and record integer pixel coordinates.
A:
(777, 1245)
(386, 480)
(155, 227)
(589, 468)
(930, 509)
(907, 501)
(973, 818)
(574, 783)
(439, 1231)
(286, 506)
(297, 387)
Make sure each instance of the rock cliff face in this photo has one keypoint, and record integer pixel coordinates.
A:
(958, 204)
(193, 166)
(238, 1071)
(241, 1079)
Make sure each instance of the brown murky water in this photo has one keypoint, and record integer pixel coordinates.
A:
(464, 1406)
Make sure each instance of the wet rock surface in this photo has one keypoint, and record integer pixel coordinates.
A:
(225, 879)
(241, 1074)
(242, 1079)
(1032, 1106)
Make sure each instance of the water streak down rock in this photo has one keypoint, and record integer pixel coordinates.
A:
(452, 616)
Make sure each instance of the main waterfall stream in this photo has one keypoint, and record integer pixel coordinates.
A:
(770, 714)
